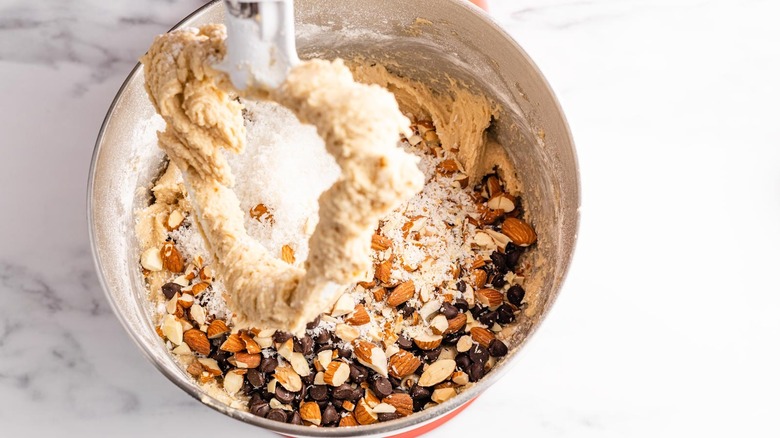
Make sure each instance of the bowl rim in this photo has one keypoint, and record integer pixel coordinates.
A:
(390, 428)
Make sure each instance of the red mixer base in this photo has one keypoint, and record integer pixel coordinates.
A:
(434, 424)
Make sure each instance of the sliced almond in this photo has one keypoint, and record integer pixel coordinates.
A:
(199, 288)
(501, 202)
(439, 324)
(364, 414)
(249, 343)
(437, 372)
(402, 403)
(441, 395)
(346, 332)
(520, 232)
(310, 412)
(287, 377)
(401, 294)
(384, 408)
(288, 254)
(371, 356)
(210, 366)
(186, 301)
(482, 336)
(172, 329)
(300, 364)
(402, 364)
(428, 341)
(174, 221)
(455, 324)
(464, 344)
(246, 360)
(232, 382)
(489, 297)
(383, 271)
(171, 259)
(348, 420)
(493, 186)
(198, 314)
(336, 373)
(197, 341)
(324, 357)
(359, 316)
(151, 260)
(380, 243)
(233, 344)
(460, 378)
(344, 306)
(217, 328)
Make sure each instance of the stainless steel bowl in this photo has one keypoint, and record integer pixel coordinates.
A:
(462, 42)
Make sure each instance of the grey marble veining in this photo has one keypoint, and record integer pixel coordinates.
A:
(667, 324)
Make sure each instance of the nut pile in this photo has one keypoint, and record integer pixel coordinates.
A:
(447, 281)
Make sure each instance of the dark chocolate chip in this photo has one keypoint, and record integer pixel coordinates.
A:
(498, 348)
(395, 381)
(461, 285)
(449, 310)
(488, 318)
(405, 343)
(329, 415)
(318, 392)
(513, 253)
(258, 406)
(419, 392)
(345, 352)
(461, 304)
(499, 261)
(295, 418)
(170, 289)
(345, 392)
(431, 355)
(308, 380)
(463, 361)
(505, 314)
(388, 416)
(255, 378)
(284, 395)
(281, 337)
(406, 309)
(324, 337)
(515, 295)
(312, 325)
(478, 354)
(357, 373)
(277, 415)
(476, 371)
(304, 345)
(498, 281)
(339, 404)
(381, 386)
(268, 364)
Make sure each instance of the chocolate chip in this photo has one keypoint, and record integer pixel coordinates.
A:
(357, 373)
(388, 416)
(339, 404)
(513, 253)
(381, 386)
(304, 345)
(281, 337)
(308, 380)
(405, 343)
(515, 295)
(431, 355)
(478, 310)
(258, 406)
(395, 381)
(463, 361)
(406, 309)
(312, 325)
(461, 304)
(284, 395)
(345, 352)
(488, 318)
(277, 415)
(452, 338)
(476, 371)
(295, 418)
(318, 392)
(170, 289)
(324, 337)
(498, 348)
(449, 310)
(419, 405)
(419, 393)
(498, 281)
(505, 314)
(268, 364)
(461, 285)
(345, 392)
(499, 261)
(255, 378)
(478, 354)
(329, 415)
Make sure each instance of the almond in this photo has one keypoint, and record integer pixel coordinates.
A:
(172, 329)
(186, 301)
(403, 364)
(300, 364)
(364, 414)
(175, 219)
(210, 366)
(171, 258)
(197, 341)
(441, 395)
(464, 344)
(380, 243)
(383, 271)
(232, 382)
(199, 287)
(217, 328)
(501, 202)
(249, 343)
(336, 373)
(151, 260)
(428, 342)
(480, 278)
(233, 344)
(343, 306)
(288, 255)
(195, 369)
(379, 294)
(288, 378)
(371, 356)
(439, 324)
(346, 332)
(348, 405)
(437, 372)
(447, 167)
(520, 232)
(489, 298)
(348, 420)
(310, 411)
(401, 294)
(359, 316)
(482, 336)
(455, 324)
(493, 186)
(460, 378)
(259, 211)
(402, 403)
(246, 360)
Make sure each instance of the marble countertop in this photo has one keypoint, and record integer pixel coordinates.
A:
(667, 324)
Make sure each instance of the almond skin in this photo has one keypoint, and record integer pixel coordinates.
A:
(401, 294)
(489, 297)
(217, 328)
(456, 324)
(359, 316)
(402, 403)
(171, 258)
(233, 344)
(482, 336)
(520, 232)
(310, 411)
(380, 243)
(197, 341)
(403, 364)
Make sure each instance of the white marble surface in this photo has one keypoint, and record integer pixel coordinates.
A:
(667, 325)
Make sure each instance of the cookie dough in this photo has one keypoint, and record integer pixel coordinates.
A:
(360, 125)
